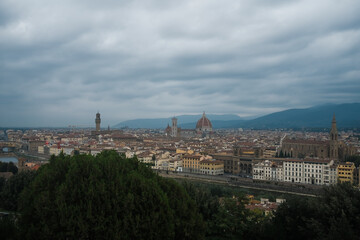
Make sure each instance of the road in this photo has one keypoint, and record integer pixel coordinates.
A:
(308, 191)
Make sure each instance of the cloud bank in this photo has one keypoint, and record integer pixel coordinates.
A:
(62, 61)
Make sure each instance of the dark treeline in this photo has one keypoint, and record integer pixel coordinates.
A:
(354, 159)
(111, 197)
(8, 167)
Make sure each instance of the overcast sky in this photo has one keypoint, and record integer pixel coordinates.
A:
(62, 61)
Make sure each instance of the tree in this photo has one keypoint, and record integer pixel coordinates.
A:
(225, 215)
(281, 155)
(206, 203)
(292, 220)
(235, 221)
(8, 167)
(301, 155)
(12, 188)
(8, 227)
(354, 159)
(334, 215)
(105, 197)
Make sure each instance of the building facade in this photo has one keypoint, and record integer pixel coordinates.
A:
(346, 172)
(176, 165)
(308, 171)
(191, 163)
(211, 167)
(306, 148)
(268, 170)
(34, 145)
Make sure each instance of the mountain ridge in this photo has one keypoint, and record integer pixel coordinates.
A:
(182, 119)
(347, 116)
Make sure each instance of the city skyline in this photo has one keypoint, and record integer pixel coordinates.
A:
(63, 62)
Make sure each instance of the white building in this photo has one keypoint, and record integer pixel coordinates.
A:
(175, 165)
(310, 171)
(146, 157)
(95, 151)
(331, 175)
(268, 170)
(55, 150)
(68, 150)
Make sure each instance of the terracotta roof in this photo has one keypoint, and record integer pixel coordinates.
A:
(305, 141)
(193, 156)
(217, 162)
(36, 167)
(308, 160)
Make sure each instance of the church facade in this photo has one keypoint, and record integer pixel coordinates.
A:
(330, 149)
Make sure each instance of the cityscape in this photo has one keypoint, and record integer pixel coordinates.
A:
(316, 158)
(180, 120)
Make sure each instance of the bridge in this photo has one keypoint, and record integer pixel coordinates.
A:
(11, 146)
(7, 155)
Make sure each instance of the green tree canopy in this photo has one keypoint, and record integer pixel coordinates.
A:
(354, 159)
(334, 215)
(8, 167)
(106, 197)
(10, 190)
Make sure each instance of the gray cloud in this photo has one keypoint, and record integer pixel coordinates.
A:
(61, 62)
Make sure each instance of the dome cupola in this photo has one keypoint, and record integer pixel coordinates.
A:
(204, 124)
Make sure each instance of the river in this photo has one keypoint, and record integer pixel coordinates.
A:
(9, 159)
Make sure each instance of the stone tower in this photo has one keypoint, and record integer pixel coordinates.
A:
(236, 149)
(97, 121)
(174, 128)
(334, 145)
(21, 164)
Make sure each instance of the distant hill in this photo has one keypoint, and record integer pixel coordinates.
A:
(347, 116)
(185, 121)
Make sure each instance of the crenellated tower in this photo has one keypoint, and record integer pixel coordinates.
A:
(97, 121)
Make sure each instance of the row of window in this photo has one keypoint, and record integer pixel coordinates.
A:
(305, 170)
(300, 165)
(307, 180)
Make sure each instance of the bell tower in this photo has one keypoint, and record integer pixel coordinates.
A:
(334, 146)
(97, 121)
(174, 130)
